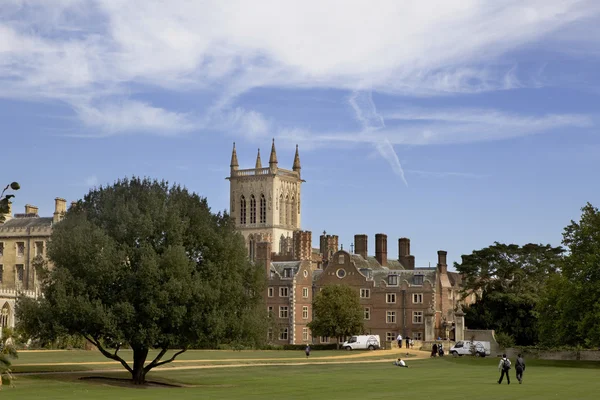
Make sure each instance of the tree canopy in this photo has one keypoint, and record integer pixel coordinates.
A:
(508, 281)
(5, 199)
(337, 312)
(146, 265)
(570, 306)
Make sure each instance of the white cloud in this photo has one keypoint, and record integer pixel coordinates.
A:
(91, 52)
(133, 116)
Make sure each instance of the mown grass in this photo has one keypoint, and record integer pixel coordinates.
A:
(447, 378)
(80, 360)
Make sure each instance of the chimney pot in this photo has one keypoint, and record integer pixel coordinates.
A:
(361, 245)
(381, 248)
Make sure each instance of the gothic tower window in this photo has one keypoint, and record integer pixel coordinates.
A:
(243, 210)
(252, 248)
(281, 210)
(282, 244)
(287, 210)
(263, 209)
(293, 211)
(252, 209)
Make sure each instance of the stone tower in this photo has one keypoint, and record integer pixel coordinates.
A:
(265, 202)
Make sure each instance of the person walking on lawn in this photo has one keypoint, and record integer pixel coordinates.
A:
(504, 366)
(519, 368)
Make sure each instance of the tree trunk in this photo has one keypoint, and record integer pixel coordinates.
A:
(138, 375)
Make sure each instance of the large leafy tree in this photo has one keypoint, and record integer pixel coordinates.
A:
(5, 199)
(570, 307)
(337, 313)
(146, 265)
(508, 281)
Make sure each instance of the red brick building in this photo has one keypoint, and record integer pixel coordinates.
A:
(396, 297)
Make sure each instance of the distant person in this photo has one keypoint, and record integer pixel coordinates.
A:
(407, 342)
(307, 350)
(504, 366)
(519, 368)
(400, 363)
(441, 350)
(434, 350)
(399, 340)
(412, 343)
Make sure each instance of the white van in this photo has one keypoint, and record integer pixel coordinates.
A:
(362, 342)
(475, 348)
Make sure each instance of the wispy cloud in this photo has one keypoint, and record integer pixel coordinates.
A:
(91, 181)
(74, 50)
(133, 116)
(445, 174)
(371, 121)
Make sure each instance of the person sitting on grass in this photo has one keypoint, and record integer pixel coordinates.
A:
(400, 363)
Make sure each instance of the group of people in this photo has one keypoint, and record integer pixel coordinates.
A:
(437, 350)
(505, 365)
(409, 342)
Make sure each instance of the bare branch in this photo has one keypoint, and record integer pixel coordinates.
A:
(106, 354)
(154, 363)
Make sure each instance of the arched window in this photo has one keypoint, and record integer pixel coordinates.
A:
(243, 210)
(251, 248)
(293, 211)
(252, 209)
(281, 244)
(287, 210)
(4, 315)
(281, 210)
(263, 209)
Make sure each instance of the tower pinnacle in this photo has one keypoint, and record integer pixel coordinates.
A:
(258, 162)
(234, 161)
(296, 166)
(273, 158)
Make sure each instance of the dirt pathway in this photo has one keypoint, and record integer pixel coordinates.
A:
(356, 358)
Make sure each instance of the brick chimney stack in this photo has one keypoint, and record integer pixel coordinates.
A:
(381, 249)
(263, 256)
(361, 245)
(442, 266)
(302, 245)
(404, 256)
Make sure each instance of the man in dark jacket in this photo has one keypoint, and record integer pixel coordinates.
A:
(520, 367)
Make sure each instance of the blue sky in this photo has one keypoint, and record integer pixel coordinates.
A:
(455, 123)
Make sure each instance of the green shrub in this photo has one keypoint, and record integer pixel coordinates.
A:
(505, 340)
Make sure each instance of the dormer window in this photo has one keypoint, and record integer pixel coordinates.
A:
(393, 280)
(418, 280)
(341, 259)
(287, 273)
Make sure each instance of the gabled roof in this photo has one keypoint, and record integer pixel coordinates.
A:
(28, 222)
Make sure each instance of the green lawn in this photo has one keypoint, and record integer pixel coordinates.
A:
(447, 378)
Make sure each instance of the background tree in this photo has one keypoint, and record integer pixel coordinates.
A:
(570, 307)
(508, 281)
(8, 351)
(337, 313)
(149, 266)
(5, 199)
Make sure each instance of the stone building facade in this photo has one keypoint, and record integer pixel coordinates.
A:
(396, 297)
(23, 239)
